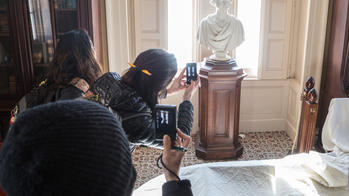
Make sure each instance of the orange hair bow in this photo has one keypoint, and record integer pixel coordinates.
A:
(143, 70)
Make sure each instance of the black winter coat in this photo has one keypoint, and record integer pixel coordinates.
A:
(134, 113)
(45, 93)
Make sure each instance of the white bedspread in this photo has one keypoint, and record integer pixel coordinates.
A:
(294, 175)
(301, 174)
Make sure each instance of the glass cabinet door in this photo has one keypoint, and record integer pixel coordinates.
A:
(41, 37)
(11, 83)
(49, 19)
(66, 16)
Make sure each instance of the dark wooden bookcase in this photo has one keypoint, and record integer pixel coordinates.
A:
(29, 32)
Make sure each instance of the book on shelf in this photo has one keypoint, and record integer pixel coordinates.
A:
(50, 50)
(65, 4)
(44, 53)
(12, 84)
(4, 21)
(3, 78)
(71, 4)
(58, 4)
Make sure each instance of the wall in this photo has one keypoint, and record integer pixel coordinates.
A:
(263, 105)
(296, 68)
(118, 35)
(105, 61)
(308, 50)
(269, 103)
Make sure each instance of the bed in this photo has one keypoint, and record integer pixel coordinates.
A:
(271, 177)
(308, 173)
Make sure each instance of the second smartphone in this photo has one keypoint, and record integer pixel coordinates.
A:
(191, 72)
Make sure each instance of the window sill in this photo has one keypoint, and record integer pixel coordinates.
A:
(251, 73)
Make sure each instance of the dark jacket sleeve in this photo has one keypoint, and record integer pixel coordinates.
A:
(177, 188)
(185, 117)
(141, 131)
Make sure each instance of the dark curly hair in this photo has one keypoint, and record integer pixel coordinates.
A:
(74, 57)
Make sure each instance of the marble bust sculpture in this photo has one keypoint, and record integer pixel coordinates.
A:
(220, 31)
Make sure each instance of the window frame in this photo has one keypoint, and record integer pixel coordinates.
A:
(268, 14)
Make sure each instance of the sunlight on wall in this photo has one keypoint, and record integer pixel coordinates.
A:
(249, 13)
(180, 30)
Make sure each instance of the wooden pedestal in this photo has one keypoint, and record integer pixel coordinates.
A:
(219, 102)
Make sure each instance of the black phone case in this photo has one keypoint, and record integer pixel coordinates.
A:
(191, 72)
(165, 121)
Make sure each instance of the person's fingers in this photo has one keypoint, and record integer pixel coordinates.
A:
(181, 75)
(178, 142)
(183, 83)
(185, 137)
(197, 83)
(167, 143)
(192, 85)
(182, 87)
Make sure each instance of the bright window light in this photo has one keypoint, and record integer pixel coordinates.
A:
(247, 55)
(180, 30)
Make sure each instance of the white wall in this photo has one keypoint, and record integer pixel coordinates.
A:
(263, 105)
(118, 35)
(308, 49)
(270, 103)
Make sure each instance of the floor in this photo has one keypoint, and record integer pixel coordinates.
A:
(261, 145)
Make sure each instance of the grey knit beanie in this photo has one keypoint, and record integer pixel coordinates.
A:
(66, 148)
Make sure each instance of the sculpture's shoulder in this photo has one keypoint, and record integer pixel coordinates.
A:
(207, 20)
(203, 25)
(235, 20)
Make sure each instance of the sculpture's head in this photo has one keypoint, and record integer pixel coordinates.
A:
(221, 4)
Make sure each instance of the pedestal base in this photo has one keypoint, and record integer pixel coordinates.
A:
(218, 154)
(219, 104)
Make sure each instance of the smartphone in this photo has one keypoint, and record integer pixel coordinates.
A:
(191, 72)
(165, 121)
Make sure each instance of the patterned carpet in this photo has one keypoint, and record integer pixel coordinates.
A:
(257, 146)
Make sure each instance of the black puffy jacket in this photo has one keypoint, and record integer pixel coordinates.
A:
(134, 113)
(46, 93)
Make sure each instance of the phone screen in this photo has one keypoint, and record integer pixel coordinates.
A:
(165, 122)
(191, 72)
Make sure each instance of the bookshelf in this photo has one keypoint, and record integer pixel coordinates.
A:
(5, 65)
(29, 32)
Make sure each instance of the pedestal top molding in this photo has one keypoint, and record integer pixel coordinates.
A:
(211, 67)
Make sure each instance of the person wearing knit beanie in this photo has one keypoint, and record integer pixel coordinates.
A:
(66, 148)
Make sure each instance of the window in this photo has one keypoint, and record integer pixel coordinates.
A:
(247, 55)
(180, 30)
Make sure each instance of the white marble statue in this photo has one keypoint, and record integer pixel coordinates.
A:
(220, 32)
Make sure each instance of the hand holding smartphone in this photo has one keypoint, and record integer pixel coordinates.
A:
(166, 124)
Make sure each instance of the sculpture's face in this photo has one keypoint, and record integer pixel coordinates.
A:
(222, 4)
